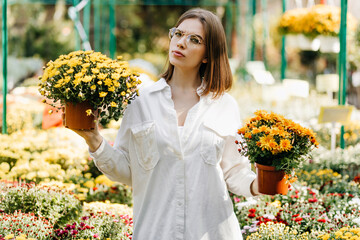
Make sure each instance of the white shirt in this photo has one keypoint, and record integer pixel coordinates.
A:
(180, 183)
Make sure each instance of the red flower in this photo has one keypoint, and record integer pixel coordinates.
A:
(252, 210)
(251, 215)
(357, 179)
(312, 200)
(321, 220)
(298, 219)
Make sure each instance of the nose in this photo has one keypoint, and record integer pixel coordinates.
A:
(181, 43)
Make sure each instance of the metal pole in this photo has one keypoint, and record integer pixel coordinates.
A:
(265, 31)
(343, 63)
(77, 37)
(283, 53)
(97, 20)
(238, 26)
(228, 25)
(253, 12)
(112, 23)
(86, 18)
(4, 59)
(104, 44)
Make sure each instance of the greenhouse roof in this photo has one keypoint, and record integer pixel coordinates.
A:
(132, 2)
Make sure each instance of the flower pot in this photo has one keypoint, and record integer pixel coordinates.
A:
(307, 44)
(271, 181)
(77, 118)
(329, 44)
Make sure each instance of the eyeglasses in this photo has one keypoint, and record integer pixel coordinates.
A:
(191, 39)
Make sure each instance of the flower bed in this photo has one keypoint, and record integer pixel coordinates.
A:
(29, 211)
(305, 210)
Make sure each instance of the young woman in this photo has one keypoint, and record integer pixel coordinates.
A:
(176, 144)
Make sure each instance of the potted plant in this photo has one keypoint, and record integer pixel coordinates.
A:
(88, 84)
(314, 28)
(275, 145)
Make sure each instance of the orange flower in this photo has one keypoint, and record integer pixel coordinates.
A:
(265, 141)
(264, 129)
(285, 145)
(255, 131)
(242, 130)
(248, 135)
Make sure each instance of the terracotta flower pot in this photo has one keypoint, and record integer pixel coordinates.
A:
(77, 118)
(270, 180)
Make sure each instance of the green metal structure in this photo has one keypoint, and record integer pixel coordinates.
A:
(4, 65)
(343, 63)
(104, 15)
(283, 52)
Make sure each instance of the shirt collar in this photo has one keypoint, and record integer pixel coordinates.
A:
(161, 84)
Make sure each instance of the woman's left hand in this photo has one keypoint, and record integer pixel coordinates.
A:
(254, 188)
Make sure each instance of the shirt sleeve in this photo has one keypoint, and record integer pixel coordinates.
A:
(114, 161)
(237, 169)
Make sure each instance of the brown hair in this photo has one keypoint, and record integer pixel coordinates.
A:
(216, 72)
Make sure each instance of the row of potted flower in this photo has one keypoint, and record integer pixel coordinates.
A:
(319, 204)
(317, 20)
(29, 211)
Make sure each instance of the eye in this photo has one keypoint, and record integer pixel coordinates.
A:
(195, 39)
(178, 33)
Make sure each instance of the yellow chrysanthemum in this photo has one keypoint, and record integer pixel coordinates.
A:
(113, 104)
(103, 94)
(108, 82)
(285, 145)
(265, 142)
(255, 131)
(87, 79)
(88, 112)
(95, 70)
(115, 76)
(102, 76)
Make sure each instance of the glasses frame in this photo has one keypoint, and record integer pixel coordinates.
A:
(188, 36)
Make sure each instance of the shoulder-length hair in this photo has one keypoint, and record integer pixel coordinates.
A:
(216, 71)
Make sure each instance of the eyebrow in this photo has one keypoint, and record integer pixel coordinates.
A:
(191, 33)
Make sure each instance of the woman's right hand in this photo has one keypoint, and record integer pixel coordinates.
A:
(92, 137)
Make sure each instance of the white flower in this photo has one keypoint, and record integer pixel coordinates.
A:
(250, 201)
(357, 221)
(355, 201)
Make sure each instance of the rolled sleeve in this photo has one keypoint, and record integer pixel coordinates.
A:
(114, 161)
(237, 169)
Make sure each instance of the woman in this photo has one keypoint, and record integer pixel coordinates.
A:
(175, 146)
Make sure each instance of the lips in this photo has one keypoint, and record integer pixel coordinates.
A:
(178, 54)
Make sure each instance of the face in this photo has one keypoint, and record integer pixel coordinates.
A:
(187, 45)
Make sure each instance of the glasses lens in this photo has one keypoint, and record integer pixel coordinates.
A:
(193, 39)
(171, 32)
(178, 33)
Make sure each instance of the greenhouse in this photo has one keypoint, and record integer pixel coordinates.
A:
(180, 119)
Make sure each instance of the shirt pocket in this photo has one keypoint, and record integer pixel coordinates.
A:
(146, 145)
(211, 146)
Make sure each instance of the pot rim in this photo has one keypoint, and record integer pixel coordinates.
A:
(265, 167)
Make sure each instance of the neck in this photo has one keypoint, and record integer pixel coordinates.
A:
(185, 80)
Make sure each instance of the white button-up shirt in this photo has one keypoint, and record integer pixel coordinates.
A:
(180, 182)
